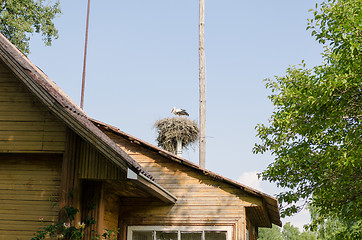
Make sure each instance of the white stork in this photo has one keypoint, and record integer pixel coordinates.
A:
(179, 112)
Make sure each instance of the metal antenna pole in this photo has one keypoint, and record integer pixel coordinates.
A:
(85, 57)
(202, 141)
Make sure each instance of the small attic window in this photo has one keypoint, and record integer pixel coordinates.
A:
(179, 233)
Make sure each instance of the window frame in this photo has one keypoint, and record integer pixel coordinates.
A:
(179, 229)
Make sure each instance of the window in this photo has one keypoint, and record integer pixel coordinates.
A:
(179, 233)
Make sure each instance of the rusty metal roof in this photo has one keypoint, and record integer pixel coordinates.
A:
(270, 203)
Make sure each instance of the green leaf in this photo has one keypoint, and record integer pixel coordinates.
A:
(315, 131)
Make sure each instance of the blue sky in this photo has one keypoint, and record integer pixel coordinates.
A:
(143, 60)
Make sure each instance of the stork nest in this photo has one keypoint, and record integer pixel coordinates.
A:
(171, 129)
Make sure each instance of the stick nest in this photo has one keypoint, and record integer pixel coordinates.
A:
(171, 129)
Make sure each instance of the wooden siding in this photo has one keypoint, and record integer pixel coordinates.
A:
(253, 231)
(84, 171)
(92, 206)
(29, 188)
(25, 124)
(70, 182)
(93, 165)
(202, 200)
(111, 210)
(258, 216)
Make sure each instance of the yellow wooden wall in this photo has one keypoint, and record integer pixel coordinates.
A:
(111, 211)
(25, 124)
(201, 199)
(93, 165)
(29, 187)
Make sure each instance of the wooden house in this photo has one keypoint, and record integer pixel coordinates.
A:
(53, 155)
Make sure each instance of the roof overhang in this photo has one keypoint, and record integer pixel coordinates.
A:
(151, 187)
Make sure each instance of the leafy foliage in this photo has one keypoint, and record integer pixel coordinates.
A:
(316, 128)
(19, 19)
(334, 229)
(288, 232)
(270, 233)
(66, 229)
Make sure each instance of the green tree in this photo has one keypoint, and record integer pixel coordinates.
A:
(290, 232)
(334, 229)
(20, 18)
(315, 131)
(307, 235)
(270, 233)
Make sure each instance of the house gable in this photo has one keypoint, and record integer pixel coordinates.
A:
(170, 170)
(26, 124)
(41, 126)
(180, 179)
(61, 106)
(203, 199)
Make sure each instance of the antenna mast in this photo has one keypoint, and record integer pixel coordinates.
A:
(85, 57)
